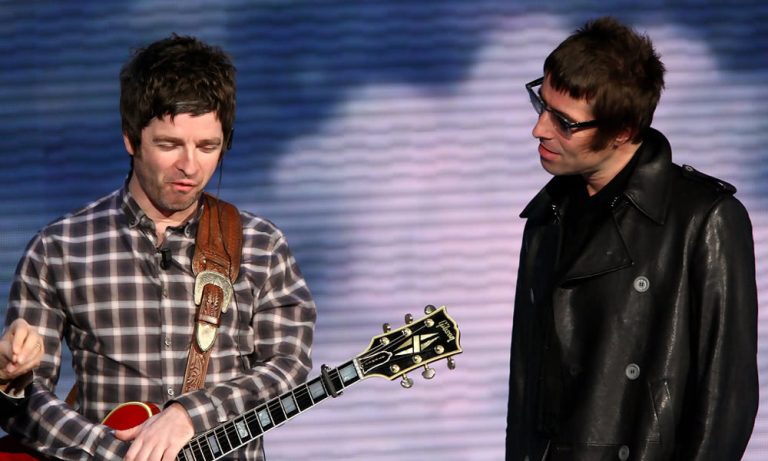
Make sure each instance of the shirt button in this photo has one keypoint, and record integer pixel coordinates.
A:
(632, 371)
(624, 453)
(167, 342)
(641, 284)
(170, 392)
(165, 293)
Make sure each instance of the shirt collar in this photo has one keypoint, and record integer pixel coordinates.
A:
(138, 218)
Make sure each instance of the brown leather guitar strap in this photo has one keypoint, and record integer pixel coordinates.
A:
(216, 262)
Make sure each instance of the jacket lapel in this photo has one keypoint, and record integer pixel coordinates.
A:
(605, 252)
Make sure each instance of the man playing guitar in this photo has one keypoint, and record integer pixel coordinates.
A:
(124, 283)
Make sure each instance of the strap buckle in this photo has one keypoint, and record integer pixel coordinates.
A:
(206, 331)
(213, 278)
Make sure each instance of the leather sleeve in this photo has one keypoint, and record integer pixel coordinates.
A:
(720, 412)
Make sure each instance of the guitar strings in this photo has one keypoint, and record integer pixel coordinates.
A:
(251, 416)
(397, 341)
(227, 431)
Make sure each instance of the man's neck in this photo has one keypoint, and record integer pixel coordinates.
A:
(615, 161)
(161, 218)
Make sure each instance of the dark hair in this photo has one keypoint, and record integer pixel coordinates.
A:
(176, 75)
(616, 70)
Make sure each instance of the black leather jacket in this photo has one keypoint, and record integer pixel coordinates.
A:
(653, 327)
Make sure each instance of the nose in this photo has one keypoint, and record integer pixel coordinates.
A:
(186, 161)
(543, 127)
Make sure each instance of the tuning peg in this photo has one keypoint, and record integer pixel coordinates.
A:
(429, 308)
(451, 363)
(386, 327)
(406, 382)
(408, 318)
(428, 372)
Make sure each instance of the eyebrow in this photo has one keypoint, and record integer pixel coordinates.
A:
(207, 141)
(558, 112)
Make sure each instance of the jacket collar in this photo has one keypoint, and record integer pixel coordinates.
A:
(647, 188)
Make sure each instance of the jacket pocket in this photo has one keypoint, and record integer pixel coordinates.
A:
(663, 411)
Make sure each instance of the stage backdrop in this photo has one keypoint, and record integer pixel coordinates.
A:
(391, 141)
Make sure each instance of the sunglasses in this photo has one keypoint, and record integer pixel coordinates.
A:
(565, 126)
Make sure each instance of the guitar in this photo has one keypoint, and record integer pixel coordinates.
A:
(389, 355)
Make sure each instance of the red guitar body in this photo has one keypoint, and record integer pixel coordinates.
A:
(130, 415)
(125, 416)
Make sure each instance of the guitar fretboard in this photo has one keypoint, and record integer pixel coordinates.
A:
(254, 423)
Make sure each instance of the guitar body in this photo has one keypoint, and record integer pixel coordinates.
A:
(125, 416)
(130, 415)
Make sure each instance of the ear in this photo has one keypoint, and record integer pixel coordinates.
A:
(128, 145)
(229, 140)
(624, 136)
(227, 147)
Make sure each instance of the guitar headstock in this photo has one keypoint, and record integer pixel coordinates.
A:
(416, 344)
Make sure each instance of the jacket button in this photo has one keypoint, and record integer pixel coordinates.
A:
(632, 371)
(641, 284)
(624, 453)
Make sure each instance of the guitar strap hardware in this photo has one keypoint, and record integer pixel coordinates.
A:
(216, 263)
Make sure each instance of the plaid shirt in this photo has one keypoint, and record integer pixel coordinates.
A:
(94, 278)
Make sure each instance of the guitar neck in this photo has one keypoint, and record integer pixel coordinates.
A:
(253, 424)
(389, 355)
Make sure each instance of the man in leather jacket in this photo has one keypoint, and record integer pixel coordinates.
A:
(635, 325)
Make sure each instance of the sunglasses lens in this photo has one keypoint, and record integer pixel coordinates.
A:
(565, 128)
(536, 103)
